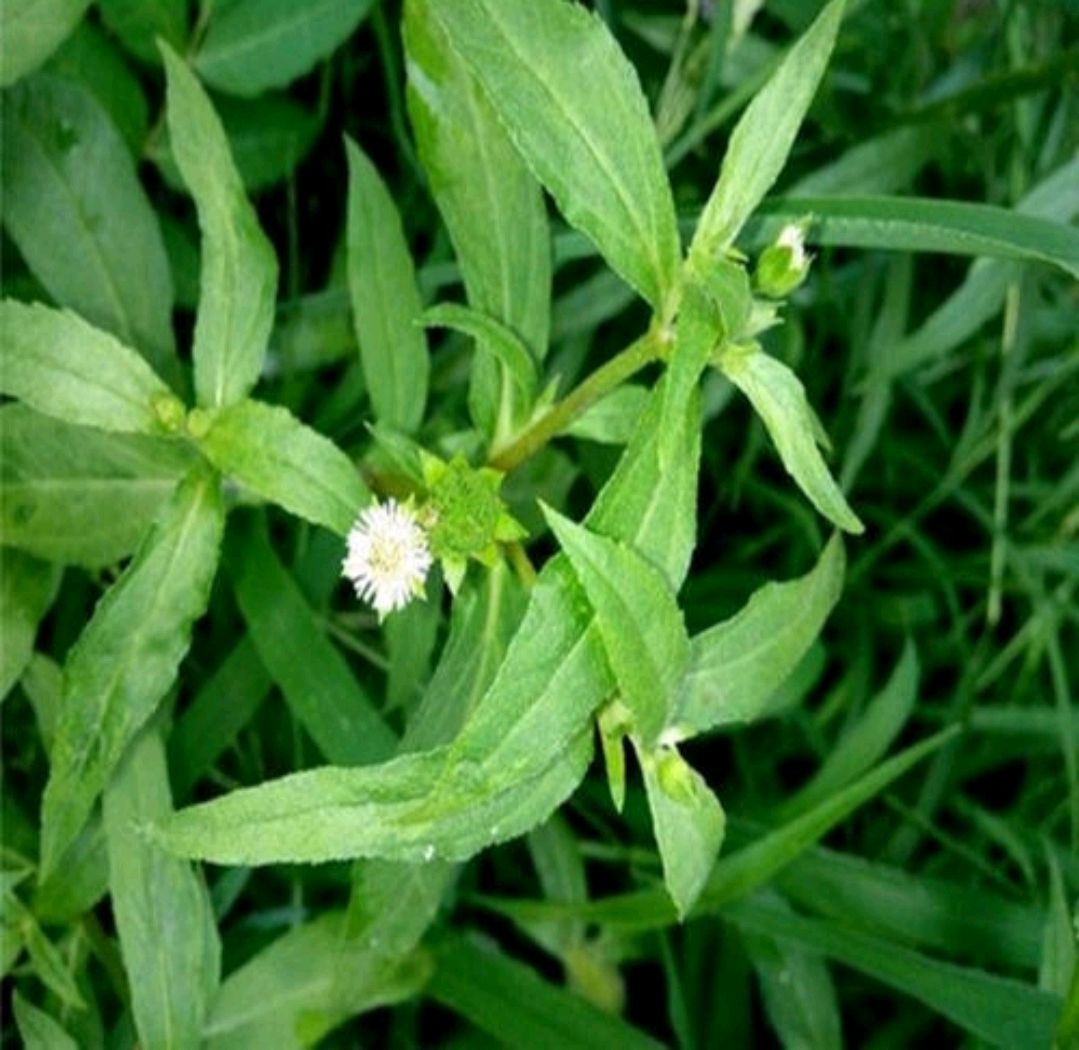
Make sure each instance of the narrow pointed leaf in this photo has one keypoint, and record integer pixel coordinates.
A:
(39, 1030)
(688, 822)
(779, 399)
(594, 150)
(27, 589)
(640, 623)
(30, 30)
(385, 300)
(239, 270)
(738, 664)
(168, 938)
(763, 138)
(127, 655)
(55, 362)
(75, 207)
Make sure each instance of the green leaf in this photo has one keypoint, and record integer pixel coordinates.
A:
(492, 206)
(868, 740)
(140, 23)
(80, 496)
(386, 305)
(1001, 1011)
(74, 206)
(127, 655)
(639, 621)
(168, 939)
(594, 150)
(738, 664)
(30, 30)
(915, 224)
(47, 962)
(778, 397)
(253, 45)
(521, 752)
(27, 589)
(90, 57)
(613, 420)
(284, 996)
(650, 501)
(38, 1030)
(797, 988)
(268, 450)
(222, 707)
(268, 137)
(491, 336)
(58, 364)
(688, 821)
(500, 995)
(292, 645)
(239, 269)
(761, 142)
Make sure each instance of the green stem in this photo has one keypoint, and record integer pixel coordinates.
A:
(649, 347)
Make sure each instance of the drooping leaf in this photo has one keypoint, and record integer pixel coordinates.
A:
(594, 150)
(74, 206)
(779, 399)
(239, 270)
(639, 621)
(313, 676)
(30, 30)
(59, 365)
(738, 664)
(253, 45)
(141, 23)
(168, 939)
(688, 822)
(27, 588)
(759, 146)
(127, 655)
(492, 337)
(491, 204)
(385, 300)
(268, 450)
(80, 496)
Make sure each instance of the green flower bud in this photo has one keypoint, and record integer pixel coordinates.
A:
(783, 266)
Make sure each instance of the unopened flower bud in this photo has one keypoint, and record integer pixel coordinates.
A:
(783, 266)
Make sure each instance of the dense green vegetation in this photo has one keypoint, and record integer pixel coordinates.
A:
(740, 708)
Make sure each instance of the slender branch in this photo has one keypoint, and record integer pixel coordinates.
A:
(649, 347)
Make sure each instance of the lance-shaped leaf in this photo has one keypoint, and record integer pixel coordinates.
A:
(239, 270)
(168, 939)
(74, 205)
(522, 751)
(127, 655)
(385, 300)
(252, 45)
(738, 664)
(594, 149)
(30, 30)
(640, 623)
(650, 501)
(779, 398)
(39, 1030)
(688, 822)
(57, 363)
(27, 589)
(80, 496)
(763, 138)
(492, 206)
(268, 450)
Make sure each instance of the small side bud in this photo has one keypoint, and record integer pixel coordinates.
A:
(170, 412)
(783, 266)
(199, 422)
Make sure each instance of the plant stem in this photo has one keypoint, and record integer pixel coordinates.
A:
(602, 381)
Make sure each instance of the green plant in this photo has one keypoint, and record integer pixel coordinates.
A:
(117, 445)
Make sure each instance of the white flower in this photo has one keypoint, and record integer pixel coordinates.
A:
(793, 237)
(388, 556)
